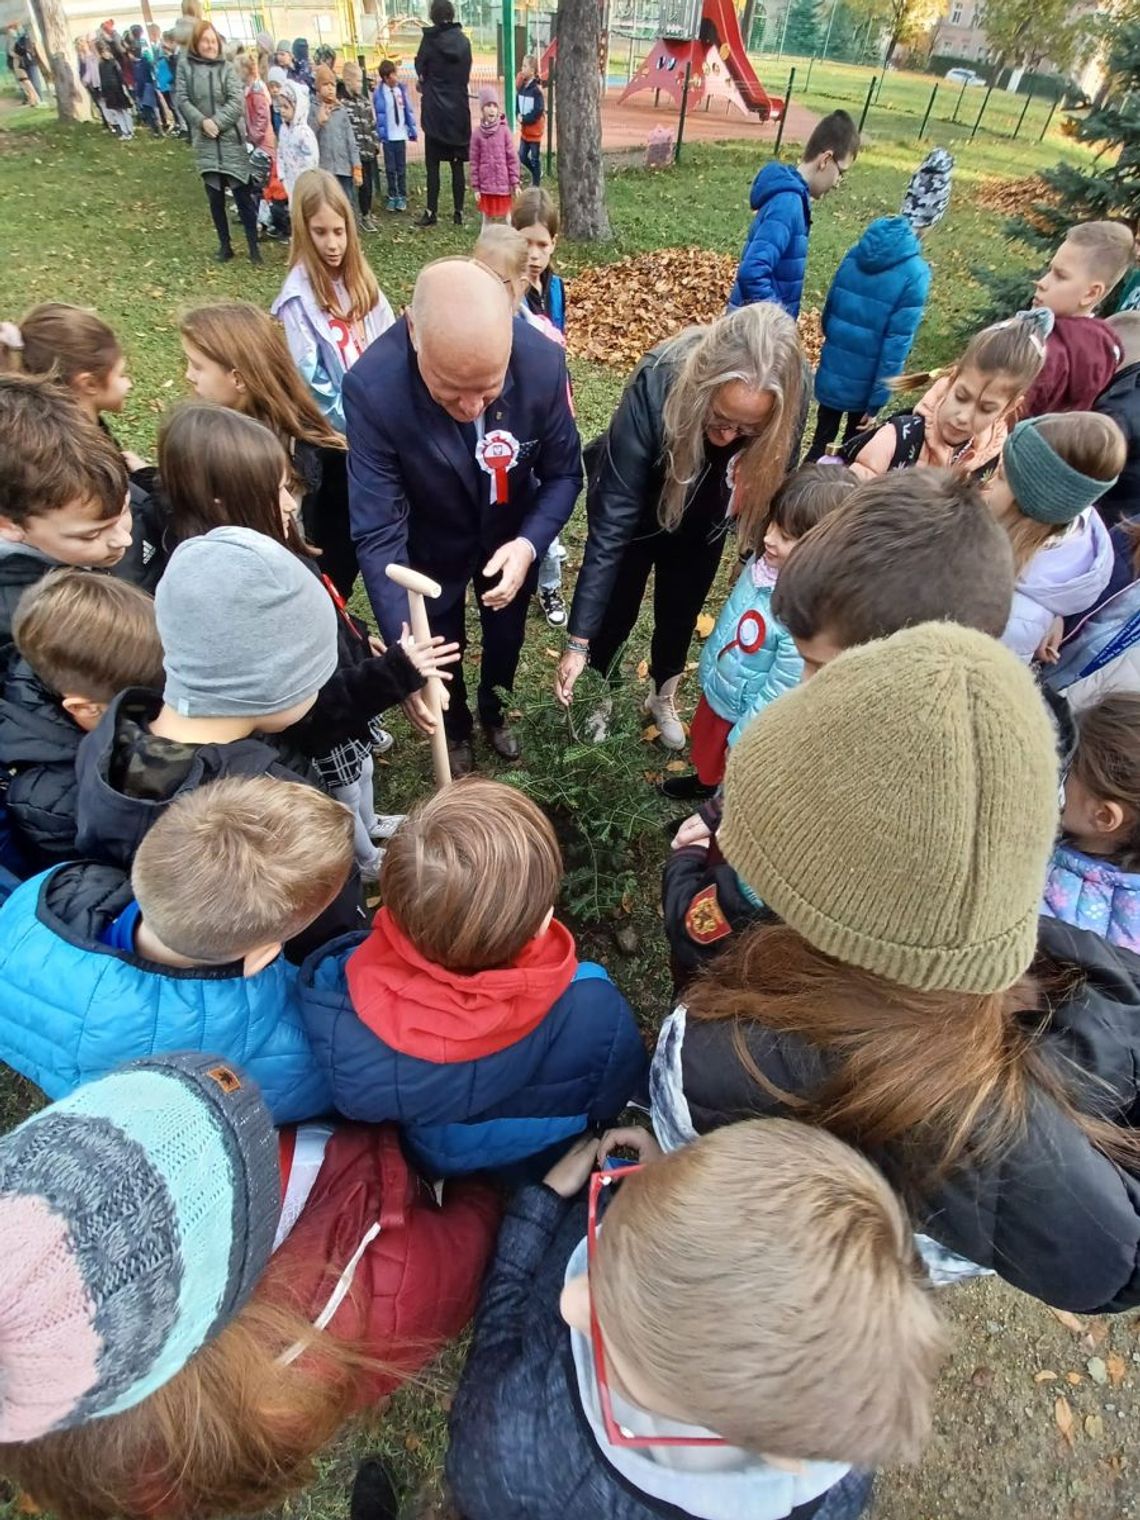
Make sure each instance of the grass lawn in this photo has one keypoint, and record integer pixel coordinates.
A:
(125, 229)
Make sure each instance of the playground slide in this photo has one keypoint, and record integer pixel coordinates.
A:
(721, 15)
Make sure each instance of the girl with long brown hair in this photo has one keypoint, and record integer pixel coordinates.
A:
(330, 304)
(699, 444)
(237, 357)
(291, 1281)
(895, 815)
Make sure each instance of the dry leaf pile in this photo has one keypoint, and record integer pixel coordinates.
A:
(620, 311)
(1013, 197)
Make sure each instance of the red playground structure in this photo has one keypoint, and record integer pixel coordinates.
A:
(718, 65)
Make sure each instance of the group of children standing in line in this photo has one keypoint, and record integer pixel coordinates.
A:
(885, 987)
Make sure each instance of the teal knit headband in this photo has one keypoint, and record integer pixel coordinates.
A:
(1044, 486)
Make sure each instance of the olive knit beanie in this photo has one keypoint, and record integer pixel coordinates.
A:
(898, 809)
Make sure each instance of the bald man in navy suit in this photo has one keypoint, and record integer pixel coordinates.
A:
(464, 462)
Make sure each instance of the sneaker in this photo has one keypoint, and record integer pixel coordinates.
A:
(371, 873)
(661, 708)
(391, 203)
(385, 826)
(553, 606)
(383, 742)
(597, 724)
(401, 203)
(557, 549)
(370, 224)
(427, 220)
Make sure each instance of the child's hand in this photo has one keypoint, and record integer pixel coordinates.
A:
(357, 175)
(634, 1138)
(694, 830)
(429, 659)
(376, 644)
(570, 1175)
(133, 462)
(1049, 649)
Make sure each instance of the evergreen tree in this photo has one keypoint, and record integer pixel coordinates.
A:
(846, 34)
(1105, 188)
(803, 33)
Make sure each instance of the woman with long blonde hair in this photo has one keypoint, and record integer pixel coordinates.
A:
(330, 304)
(270, 1306)
(236, 356)
(697, 448)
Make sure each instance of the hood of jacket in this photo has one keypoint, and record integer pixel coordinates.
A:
(34, 729)
(1092, 893)
(1068, 575)
(888, 241)
(1090, 348)
(442, 1016)
(779, 179)
(448, 39)
(984, 446)
(74, 1008)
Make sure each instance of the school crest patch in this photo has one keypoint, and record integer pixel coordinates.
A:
(705, 921)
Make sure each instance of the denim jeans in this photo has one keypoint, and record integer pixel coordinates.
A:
(550, 570)
(396, 169)
(530, 156)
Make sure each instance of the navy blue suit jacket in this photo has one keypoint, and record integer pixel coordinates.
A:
(417, 495)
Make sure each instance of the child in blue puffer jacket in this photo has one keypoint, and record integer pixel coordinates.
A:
(875, 305)
(465, 1015)
(98, 967)
(750, 658)
(1094, 875)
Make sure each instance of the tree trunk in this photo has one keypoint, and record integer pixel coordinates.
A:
(72, 100)
(578, 118)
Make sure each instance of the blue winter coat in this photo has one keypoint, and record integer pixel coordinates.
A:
(575, 1071)
(775, 252)
(72, 1009)
(737, 678)
(871, 315)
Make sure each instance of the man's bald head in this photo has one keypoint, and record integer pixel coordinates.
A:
(462, 327)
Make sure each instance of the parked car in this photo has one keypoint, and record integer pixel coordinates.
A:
(964, 76)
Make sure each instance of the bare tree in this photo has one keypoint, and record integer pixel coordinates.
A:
(578, 116)
(71, 99)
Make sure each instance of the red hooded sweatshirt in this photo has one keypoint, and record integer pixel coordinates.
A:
(442, 1016)
(1081, 356)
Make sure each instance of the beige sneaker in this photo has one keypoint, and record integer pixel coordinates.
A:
(661, 707)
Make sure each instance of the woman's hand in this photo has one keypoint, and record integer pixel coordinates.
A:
(694, 830)
(210, 127)
(429, 659)
(570, 667)
(1049, 649)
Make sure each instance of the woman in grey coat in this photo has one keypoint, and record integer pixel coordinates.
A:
(210, 98)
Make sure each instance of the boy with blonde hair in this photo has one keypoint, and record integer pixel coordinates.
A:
(667, 1362)
(81, 639)
(99, 968)
(1081, 352)
(465, 1015)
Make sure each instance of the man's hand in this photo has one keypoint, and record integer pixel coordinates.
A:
(694, 830)
(210, 127)
(510, 562)
(570, 667)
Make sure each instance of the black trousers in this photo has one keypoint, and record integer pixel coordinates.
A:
(246, 202)
(502, 644)
(364, 189)
(684, 565)
(827, 423)
(436, 153)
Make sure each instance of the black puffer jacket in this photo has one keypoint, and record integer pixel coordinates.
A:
(703, 905)
(1121, 402)
(19, 569)
(38, 746)
(1050, 1214)
(443, 68)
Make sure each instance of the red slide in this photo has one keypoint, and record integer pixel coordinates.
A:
(720, 16)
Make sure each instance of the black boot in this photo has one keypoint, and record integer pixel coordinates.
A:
(224, 254)
(373, 1497)
(427, 220)
(685, 788)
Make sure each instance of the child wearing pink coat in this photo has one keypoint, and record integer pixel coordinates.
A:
(494, 162)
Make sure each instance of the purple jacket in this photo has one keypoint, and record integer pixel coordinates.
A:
(494, 161)
(1062, 579)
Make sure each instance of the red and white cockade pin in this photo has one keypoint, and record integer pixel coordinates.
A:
(498, 452)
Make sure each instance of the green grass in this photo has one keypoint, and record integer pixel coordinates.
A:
(124, 228)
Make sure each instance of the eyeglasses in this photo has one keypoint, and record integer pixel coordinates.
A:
(715, 423)
(616, 1434)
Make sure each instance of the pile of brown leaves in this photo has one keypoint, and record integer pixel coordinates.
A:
(620, 311)
(1013, 197)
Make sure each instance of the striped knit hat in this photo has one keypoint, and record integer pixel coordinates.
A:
(137, 1216)
(898, 810)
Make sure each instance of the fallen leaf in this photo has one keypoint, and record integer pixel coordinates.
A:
(1075, 1378)
(675, 766)
(649, 734)
(1097, 1370)
(1063, 1414)
(412, 1442)
(705, 625)
(552, 654)
(642, 670)
(1044, 1377)
(1098, 1332)
(654, 777)
(1070, 1321)
(982, 1377)
(1116, 1368)
(1094, 1426)
(1118, 1462)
